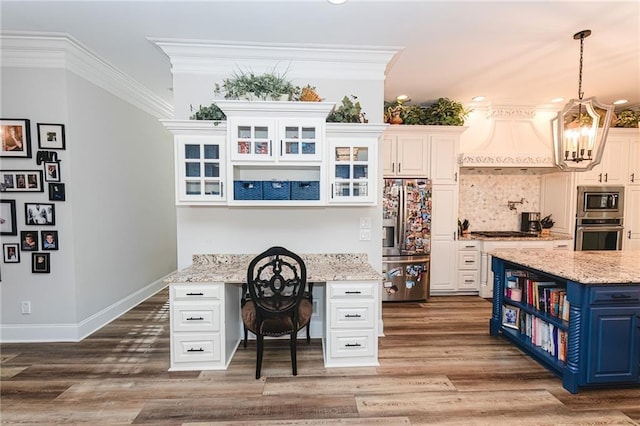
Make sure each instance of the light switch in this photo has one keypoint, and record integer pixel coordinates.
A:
(365, 222)
(365, 235)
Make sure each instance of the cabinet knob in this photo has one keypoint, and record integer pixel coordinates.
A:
(399, 167)
(600, 177)
(629, 234)
(606, 177)
(633, 177)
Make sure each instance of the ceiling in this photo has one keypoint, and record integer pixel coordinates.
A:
(516, 52)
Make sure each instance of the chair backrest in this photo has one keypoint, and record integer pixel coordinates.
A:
(276, 280)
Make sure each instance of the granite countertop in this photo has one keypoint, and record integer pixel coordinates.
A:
(586, 267)
(232, 268)
(551, 237)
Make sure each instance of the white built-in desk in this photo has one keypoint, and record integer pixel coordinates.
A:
(206, 326)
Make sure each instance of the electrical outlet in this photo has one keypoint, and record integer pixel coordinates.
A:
(25, 307)
(365, 235)
(365, 223)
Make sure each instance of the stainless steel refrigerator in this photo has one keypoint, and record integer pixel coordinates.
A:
(406, 207)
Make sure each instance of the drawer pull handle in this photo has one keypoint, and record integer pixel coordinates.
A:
(353, 316)
(352, 292)
(195, 294)
(620, 296)
(468, 281)
(469, 261)
(195, 319)
(353, 345)
(195, 350)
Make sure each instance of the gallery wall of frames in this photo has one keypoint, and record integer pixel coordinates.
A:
(38, 241)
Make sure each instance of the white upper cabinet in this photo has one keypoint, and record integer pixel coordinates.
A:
(405, 152)
(444, 155)
(614, 167)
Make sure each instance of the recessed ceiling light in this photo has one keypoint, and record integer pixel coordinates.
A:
(337, 1)
(556, 100)
(477, 98)
(620, 101)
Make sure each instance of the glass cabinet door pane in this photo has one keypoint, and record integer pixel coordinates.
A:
(291, 148)
(191, 151)
(193, 187)
(308, 133)
(244, 132)
(192, 169)
(360, 189)
(308, 147)
(211, 152)
(211, 170)
(244, 147)
(361, 153)
(212, 188)
(360, 171)
(342, 171)
(342, 189)
(262, 132)
(262, 148)
(342, 153)
(291, 132)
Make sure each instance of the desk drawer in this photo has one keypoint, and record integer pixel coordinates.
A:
(198, 347)
(345, 314)
(353, 343)
(353, 290)
(196, 317)
(612, 295)
(196, 292)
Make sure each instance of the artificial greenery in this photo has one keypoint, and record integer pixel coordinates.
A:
(628, 118)
(211, 112)
(443, 112)
(248, 85)
(349, 111)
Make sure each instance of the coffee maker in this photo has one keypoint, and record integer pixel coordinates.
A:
(530, 222)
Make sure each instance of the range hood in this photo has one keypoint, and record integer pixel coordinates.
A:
(517, 137)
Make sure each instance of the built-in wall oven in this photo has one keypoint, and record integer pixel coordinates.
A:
(599, 218)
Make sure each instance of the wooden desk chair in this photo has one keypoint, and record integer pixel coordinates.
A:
(277, 306)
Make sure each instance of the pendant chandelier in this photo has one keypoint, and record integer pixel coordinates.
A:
(580, 129)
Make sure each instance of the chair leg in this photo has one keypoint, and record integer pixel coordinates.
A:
(294, 360)
(260, 349)
(246, 335)
(309, 332)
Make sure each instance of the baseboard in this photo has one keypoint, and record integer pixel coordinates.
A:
(32, 333)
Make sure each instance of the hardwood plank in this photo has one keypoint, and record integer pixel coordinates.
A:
(367, 421)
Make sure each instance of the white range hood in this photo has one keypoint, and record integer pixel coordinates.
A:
(517, 137)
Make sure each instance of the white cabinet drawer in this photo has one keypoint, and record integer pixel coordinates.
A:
(196, 317)
(468, 259)
(353, 343)
(196, 292)
(346, 314)
(469, 280)
(201, 347)
(469, 245)
(562, 245)
(359, 290)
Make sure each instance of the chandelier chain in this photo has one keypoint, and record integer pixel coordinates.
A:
(580, 92)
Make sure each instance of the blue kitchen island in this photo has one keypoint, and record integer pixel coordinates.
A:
(575, 312)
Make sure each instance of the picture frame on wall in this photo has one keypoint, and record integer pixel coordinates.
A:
(56, 192)
(39, 214)
(49, 240)
(40, 263)
(8, 217)
(51, 171)
(21, 181)
(51, 136)
(16, 138)
(11, 253)
(29, 240)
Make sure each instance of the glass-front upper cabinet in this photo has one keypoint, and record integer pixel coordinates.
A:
(352, 171)
(252, 140)
(201, 169)
(301, 141)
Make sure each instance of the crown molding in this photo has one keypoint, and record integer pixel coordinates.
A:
(296, 60)
(505, 160)
(46, 50)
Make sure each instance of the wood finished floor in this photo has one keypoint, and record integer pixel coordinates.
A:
(438, 365)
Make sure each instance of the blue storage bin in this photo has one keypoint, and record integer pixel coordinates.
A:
(276, 190)
(305, 190)
(247, 190)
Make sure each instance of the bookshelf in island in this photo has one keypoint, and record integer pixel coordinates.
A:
(575, 312)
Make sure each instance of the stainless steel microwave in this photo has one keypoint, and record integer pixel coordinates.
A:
(600, 202)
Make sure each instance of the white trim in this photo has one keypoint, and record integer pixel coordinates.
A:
(29, 333)
(46, 50)
(296, 60)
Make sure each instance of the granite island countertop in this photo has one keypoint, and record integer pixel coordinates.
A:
(586, 267)
(550, 237)
(232, 268)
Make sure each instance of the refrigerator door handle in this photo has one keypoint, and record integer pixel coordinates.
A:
(402, 217)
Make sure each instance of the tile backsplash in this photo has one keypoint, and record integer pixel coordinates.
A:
(485, 193)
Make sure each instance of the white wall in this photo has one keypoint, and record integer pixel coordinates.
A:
(117, 226)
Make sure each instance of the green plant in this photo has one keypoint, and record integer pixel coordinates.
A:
(267, 86)
(211, 112)
(628, 118)
(446, 112)
(349, 111)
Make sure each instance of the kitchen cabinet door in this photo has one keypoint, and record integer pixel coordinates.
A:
(444, 247)
(405, 152)
(631, 240)
(444, 158)
(614, 165)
